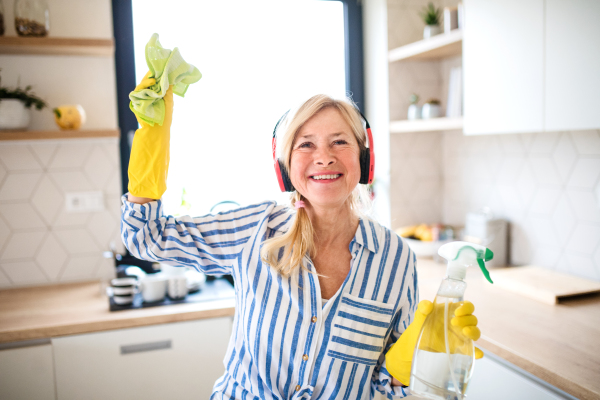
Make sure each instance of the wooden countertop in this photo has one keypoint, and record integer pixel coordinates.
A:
(50, 311)
(559, 344)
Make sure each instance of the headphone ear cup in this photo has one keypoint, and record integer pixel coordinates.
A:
(285, 178)
(365, 161)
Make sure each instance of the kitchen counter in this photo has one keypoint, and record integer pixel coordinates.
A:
(559, 344)
(59, 310)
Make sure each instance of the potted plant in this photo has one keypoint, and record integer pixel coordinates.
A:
(414, 111)
(431, 109)
(15, 104)
(431, 17)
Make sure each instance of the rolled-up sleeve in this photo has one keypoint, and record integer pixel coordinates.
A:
(211, 243)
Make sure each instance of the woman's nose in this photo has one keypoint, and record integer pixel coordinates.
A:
(324, 157)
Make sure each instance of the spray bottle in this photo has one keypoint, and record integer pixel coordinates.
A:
(443, 360)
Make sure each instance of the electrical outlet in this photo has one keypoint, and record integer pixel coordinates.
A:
(78, 202)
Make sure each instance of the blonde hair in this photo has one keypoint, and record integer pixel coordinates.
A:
(300, 238)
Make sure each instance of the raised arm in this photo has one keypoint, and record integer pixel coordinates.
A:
(149, 159)
(211, 243)
(152, 104)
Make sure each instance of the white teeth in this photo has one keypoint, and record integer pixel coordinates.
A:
(319, 177)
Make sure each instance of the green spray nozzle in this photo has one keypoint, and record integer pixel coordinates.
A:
(484, 270)
(462, 254)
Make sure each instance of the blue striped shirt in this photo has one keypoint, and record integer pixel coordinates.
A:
(285, 343)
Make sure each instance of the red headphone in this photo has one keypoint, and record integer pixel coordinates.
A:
(367, 159)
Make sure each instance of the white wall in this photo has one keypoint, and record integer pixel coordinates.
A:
(39, 242)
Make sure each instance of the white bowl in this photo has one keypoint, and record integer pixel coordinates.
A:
(425, 249)
(123, 291)
(123, 299)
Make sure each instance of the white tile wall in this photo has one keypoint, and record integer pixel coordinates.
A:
(24, 273)
(554, 216)
(39, 241)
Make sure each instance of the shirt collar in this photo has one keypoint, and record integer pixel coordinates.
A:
(368, 234)
(281, 220)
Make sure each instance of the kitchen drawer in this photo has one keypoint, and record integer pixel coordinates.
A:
(181, 360)
(27, 373)
(497, 379)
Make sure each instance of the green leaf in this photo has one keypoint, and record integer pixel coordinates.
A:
(27, 98)
(431, 15)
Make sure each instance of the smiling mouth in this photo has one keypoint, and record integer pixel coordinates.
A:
(325, 177)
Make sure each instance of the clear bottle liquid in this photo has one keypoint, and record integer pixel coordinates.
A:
(443, 361)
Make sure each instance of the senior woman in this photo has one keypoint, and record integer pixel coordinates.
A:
(322, 291)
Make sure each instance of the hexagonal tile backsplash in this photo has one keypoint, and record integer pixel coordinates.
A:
(547, 185)
(39, 241)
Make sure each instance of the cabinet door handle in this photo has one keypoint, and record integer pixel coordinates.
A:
(142, 347)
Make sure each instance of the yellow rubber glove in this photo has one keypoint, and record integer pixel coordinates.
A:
(149, 159)
(399, 356)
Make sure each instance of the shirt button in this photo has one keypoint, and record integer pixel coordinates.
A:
(297, 387)
(305, 357)
(314, 319)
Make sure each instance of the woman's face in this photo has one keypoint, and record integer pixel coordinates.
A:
(325, 165)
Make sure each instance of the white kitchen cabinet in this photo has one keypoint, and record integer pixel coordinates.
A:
(27, 373)
(503, 64)
(531, 66)
(171, 361)
(496, 379)
(572, 65)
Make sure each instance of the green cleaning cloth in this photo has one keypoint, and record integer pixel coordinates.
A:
(167, 68)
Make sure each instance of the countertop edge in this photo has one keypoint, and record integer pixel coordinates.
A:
(544, 374)
(100, 326)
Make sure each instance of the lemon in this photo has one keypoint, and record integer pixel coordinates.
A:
(69, 116)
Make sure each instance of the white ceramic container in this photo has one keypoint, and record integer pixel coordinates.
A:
(154, 287)
(177, 287)
(431, 30)
(13, 114)
(414, 111)
(430, 111)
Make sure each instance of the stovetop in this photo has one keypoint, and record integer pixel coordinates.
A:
(218, 289)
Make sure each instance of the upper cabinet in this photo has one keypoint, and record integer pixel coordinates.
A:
(531, 66)
(572, 65)
(503, 64)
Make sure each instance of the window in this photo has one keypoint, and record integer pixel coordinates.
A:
(258, 58)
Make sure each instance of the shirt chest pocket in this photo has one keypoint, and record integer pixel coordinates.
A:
(359, 330)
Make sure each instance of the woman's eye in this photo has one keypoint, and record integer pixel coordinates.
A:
(304, 145)
(340, 142)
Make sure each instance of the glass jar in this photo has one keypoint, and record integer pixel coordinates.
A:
(32, 17)
(1, 18)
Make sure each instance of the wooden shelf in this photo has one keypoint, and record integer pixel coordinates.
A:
(40, 135)
(426, 125)
(56, 46)
(437, 47)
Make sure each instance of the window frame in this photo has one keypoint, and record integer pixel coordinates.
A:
(125, 67)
